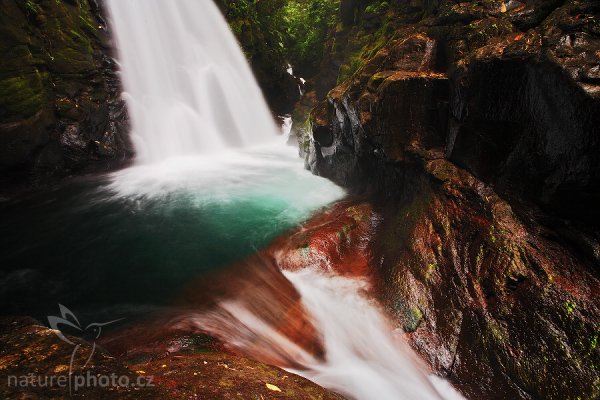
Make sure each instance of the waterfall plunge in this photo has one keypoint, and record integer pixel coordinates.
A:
(190, 91)
(364, 358)
(188, 87)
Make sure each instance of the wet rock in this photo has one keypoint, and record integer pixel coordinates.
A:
(336, 240)
(256, 286)
(389, 116)
(537, 127)
(30, 348)
(488, 297)
(475, 130)
(466, 12)
(21, 139)
(57, 65)
(301, 125)
(410, 105)
(519, 110)
(531, 13)
(415, 53)
(223, 376)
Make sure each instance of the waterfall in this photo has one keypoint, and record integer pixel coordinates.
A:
(190, 91)
(188, 86)
(363, 357)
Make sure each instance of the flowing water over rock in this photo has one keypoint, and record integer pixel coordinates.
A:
(361, 356)
(188, 86)
(195, 202)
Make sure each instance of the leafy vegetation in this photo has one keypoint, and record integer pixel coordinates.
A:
(282, 31)
(32, 7)
(307, 23)
(256, 25)
(377, 7)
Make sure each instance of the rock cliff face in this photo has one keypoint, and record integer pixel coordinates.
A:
(476, 127)
(516, 105)
(60, 106)
(493, 301)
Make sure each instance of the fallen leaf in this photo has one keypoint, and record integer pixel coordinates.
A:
(272, 387)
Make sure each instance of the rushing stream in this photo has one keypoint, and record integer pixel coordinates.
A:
(212, 184)
(364, 357)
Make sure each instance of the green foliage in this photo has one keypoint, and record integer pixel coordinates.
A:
(32, 7)
(377, 8)
(367, 44)
(282, 31)
(306, 25)
(257, 26)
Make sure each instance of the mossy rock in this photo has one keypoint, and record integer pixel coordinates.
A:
(72, 61)
(23, 95)
(52, 75)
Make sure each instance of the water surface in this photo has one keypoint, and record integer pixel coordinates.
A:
(124, 243)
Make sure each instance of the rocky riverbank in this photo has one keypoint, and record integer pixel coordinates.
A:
(31, 354)
(474, 127)
(495, 302)
(61, 110)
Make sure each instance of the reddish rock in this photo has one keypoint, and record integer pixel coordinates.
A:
(335, 240)
(258, 288)
(28, 347)
(194, 372)
(475, 129)
(223, 376)
(488, 297)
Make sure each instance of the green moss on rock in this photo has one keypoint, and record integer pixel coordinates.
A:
(23, 95)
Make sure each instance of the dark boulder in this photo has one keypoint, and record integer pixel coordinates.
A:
(476, 130)
(60, 105)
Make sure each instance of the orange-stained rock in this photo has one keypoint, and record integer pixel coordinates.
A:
(28, 347)
(253, 287)
(336, 240)
(224, 376)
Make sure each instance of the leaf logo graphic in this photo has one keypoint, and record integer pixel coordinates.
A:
(68, 319)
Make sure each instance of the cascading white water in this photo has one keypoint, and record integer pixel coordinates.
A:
(188, 87)
(363, 358)
(190, 91)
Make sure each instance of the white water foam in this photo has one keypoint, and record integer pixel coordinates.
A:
(363, 359)
(269, 176)
(188, 86)
(190, 92)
